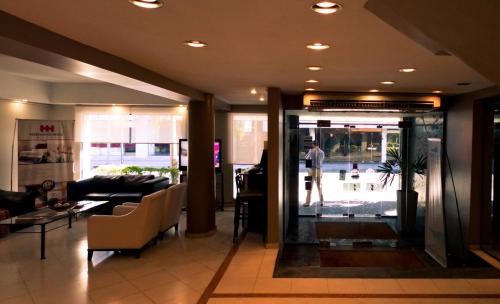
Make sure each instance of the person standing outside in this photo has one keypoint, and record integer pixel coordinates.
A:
(316, 155)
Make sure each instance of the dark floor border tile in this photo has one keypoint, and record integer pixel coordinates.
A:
(361, 295)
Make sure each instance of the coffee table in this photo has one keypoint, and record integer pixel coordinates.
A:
(45, 216)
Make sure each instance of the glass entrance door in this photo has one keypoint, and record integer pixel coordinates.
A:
(348, 180)
(491, 244)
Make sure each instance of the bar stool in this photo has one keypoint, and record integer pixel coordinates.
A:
(243, 198)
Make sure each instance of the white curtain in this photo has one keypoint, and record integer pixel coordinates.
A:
(247, 133)
(130, 124)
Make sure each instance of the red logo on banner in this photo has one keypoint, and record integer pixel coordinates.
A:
(47, 128)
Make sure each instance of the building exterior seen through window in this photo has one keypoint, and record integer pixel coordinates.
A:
(106, 158)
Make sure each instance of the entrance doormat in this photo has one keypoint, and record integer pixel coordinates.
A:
(370, 257)
(354, 230)
(306, 261)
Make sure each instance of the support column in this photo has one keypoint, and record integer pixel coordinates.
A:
(275, 168)
(201, 182)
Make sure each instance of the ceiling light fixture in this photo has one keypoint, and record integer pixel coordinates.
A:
(24, 100)
(374, 91)
(310, 89)
(253, 91)
(387, 82)
(407, 70)
(312, 81)
(314, 68)
(147, 3)
(262, 98)
(195, 43)
(318, 46)
(326, 7)
(437, 92)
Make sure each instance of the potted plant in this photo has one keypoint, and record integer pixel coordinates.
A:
(407, 197)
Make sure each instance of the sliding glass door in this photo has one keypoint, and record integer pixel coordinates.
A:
(347, 182)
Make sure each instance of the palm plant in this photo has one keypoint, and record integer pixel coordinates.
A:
(396, 165)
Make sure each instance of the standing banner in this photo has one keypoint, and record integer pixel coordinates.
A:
(45, 156)
(435, 234)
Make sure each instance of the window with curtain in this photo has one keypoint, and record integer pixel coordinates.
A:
(115, 137)
(247, 132)
(130, 124)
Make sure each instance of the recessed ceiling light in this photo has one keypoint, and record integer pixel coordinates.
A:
(374, 91)
(437, 92)
(262, 98)
(326, 7)
(407, 70)
(310, 89)
(114, 105)
(312, 81)
(314, 68)
(253, 91)
(387, 82)
(195, 43)
(20, 100)
(318, 46)
(147, 3)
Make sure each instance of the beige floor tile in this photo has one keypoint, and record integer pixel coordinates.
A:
(309, 286)
(137, 272)
(267, 267)
(153, 280)
(187, 269)
(346, 286)
(134, 299)
(199, 281)
(453, 286)
(213, 262)
(171, 292)
(13, 291)
(24, 299)
(226, 301)
(241, 272)
(486, 285)
(112, 293)
(376, 286)
(236, 285)
(418, 286)
(270, 285)
(100, 279)
(62, 297)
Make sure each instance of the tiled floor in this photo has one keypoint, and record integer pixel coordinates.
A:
(177, 270)
(248, 279)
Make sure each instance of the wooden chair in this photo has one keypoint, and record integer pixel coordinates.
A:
(243, 198)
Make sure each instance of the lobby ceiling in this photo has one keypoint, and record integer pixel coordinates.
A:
(31, 70)
(254, 44)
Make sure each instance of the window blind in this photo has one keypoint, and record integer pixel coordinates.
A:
(130, 124)
(247, 133)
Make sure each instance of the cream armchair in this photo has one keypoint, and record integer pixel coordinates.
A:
(176, 198)
(129, 228)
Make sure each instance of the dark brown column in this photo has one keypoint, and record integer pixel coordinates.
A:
(201, 190)
(275, 167)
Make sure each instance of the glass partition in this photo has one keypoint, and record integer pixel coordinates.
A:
(353, 147)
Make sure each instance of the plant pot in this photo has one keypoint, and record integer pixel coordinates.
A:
(407, 212)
